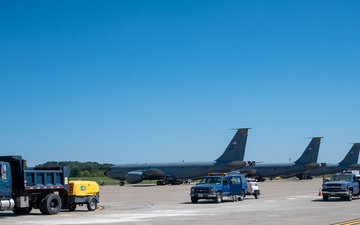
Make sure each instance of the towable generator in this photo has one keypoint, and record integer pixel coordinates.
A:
(45, 188)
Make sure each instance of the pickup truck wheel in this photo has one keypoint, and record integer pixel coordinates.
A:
(72, 206)
(350, 196)
(325, 197)
(218, 198)
(194, 199)
(92, 205)
(50, 205)
(22, 211)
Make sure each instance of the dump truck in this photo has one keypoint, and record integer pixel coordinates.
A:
(23, 188)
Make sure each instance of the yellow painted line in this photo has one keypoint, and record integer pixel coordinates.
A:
(99, 208)
(349, 222)
(68, 214)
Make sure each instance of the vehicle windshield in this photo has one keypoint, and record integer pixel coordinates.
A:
(346, 178)
(211, 180)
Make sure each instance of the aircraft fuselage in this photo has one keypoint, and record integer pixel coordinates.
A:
(279, 169)
(175, 170)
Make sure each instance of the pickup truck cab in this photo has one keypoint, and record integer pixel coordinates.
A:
(344, 185)
(217, 186)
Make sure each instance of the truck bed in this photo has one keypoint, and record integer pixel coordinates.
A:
(46, 178)
(29, 178)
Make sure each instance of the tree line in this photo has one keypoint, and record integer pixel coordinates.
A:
(81, 169)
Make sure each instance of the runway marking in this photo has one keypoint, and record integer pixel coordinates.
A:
(73, 213)
(68, 214)
(349, 222)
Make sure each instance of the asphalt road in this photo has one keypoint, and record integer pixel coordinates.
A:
(281, 202)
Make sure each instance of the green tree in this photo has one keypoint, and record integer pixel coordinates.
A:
(79, 169)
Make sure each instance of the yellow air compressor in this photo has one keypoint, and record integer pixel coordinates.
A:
(83, 192)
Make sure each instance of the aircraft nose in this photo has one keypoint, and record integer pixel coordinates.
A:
(106, 173)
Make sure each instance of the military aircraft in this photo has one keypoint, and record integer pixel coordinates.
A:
(306, 162)
(349, 162)
(174, 172)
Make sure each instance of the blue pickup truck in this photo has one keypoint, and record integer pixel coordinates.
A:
(344, 185)
(217, 186)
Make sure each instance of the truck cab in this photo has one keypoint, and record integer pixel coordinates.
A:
(217, 186)
(6, 201)
(343, 185)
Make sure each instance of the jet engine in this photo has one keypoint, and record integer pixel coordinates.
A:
(134, 177)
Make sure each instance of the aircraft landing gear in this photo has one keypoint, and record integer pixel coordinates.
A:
(304, 177)
(175, 182)
(121, 183)
(167, 182)
(162, 182)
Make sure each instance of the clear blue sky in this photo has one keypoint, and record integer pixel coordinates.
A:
(155, 81)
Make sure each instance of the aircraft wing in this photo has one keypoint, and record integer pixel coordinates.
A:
(310, 166)
(288, 175)
(236, 164)
(137, 176)
(152, 172)
(354, 166)
(248, 171)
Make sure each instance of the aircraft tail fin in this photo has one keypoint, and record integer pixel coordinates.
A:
(235, 151)
(311, 152)
(352, 156)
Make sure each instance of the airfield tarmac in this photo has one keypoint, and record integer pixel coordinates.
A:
(281, 202)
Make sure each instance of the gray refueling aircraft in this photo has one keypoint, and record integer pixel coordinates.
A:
(306, 162)
(349, 162)
(174, 172)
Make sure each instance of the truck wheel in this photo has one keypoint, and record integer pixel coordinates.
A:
(92, 205)
(72, 206)
(194, 199)
(50, 205)
(325, 197)
(242, 196)
(218, 198)
(22, 211)
(350, 196)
